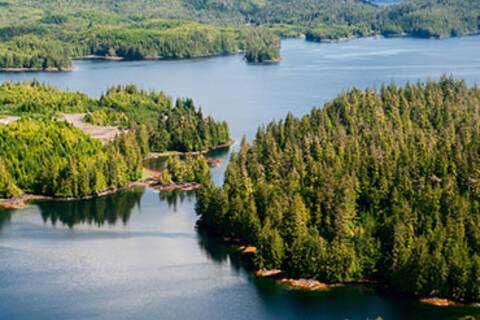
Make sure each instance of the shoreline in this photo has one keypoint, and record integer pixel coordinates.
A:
(156, 155)
(267, 62)
(151, 58)
(49, 70)
(386, 36)
(19, 202)
(282, 277)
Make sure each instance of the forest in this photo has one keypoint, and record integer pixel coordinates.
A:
(187, 170)
(380, 186)
(164, 125)
(42, 154)
(47, 35)
(55, 159)
(52, 48)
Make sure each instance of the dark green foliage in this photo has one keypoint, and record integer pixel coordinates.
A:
(325, 32)
(375, 185)
(46, 35)
(33, 53)
(184, 128)
(159, 125)
(53, 158)
(132, 42)
(262, 46)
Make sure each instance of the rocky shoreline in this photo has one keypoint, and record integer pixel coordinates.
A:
(156, 155)
(18, 70)
(282, 277)
(150, 181)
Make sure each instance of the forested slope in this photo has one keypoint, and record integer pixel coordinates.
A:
(375, 185)
(46, 35)
(42, 154)
(162, 123)
(54, 158)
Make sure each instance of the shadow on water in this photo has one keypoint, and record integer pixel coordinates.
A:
(100, 211)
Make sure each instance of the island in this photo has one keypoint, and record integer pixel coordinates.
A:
(375, 187)
(47, 36)
(57, 144)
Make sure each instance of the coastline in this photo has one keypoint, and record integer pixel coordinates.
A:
(266, 62)
(149, 180)
(156, 155)
(50, 70)
(19, 202)
(304, 284)
(388, 36)
(152, 58)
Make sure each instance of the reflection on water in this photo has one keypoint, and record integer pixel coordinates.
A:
(156, 163)
(5, 216)
(218, 153)
(335, 303)
(176, 197)
(109, 209)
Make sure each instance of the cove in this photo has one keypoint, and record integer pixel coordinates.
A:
(136, 254)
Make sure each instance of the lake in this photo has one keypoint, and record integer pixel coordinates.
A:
(137, 255)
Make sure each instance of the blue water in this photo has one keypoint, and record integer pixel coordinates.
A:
(137, 255)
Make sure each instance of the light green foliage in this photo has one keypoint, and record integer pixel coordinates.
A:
(159, 124)
(53, 158)
(190, 169)
(35, 99)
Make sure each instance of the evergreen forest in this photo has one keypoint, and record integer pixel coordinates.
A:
(42, 154)
(47, 35)
(376, 185)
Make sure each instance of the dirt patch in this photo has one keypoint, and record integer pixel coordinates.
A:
(8, 119)
(269, 273)
(104, 134)
(214, 163)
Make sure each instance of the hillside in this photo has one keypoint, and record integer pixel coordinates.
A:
(47, 35)
(379, 186)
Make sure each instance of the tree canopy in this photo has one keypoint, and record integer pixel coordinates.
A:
(53, 158)
(47, 35)
(375, 185)
(164, 125)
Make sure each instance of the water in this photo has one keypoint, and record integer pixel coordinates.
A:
(136, 254)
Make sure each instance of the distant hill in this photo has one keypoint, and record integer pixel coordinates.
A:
(386, 2)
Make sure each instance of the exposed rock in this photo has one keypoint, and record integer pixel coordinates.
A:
(268, 273)
(248, 249)
(439, 302)
(305, 284)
